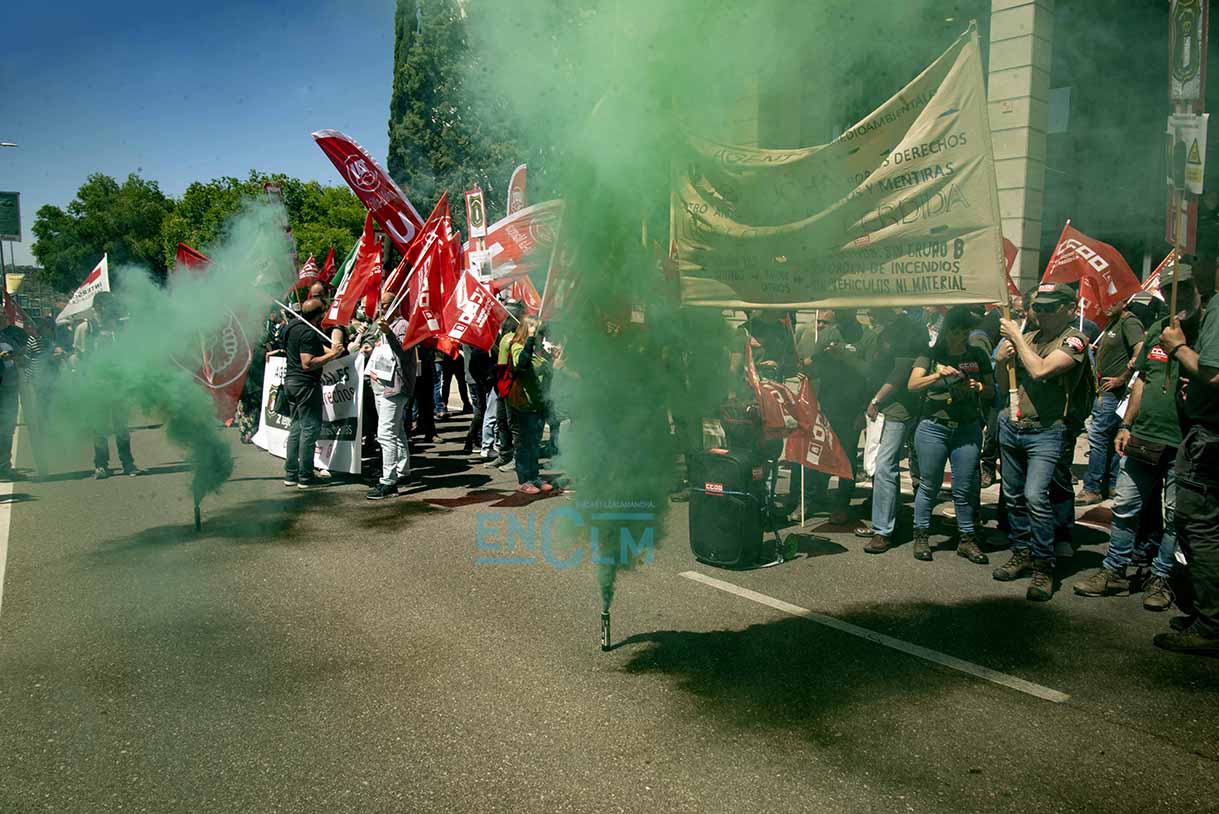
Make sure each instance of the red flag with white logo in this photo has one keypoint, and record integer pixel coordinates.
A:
(520, 241)
(472, 315)
(367, 267)
(433, 230)
(425, 297)
(522, 290)
(814, 444)
(224, 354)
(776, 401)
(1009, 256)
(1104, 278)
(373, 186)
(305, 278)
(517, 191)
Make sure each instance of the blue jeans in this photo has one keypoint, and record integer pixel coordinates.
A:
(938, 445)
(528, 439)
(1029, 460)
(1062, 489)
(886, 486)
(1103, 461)
(1139, 486)
(490, 420)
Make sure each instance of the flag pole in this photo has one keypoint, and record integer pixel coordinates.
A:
(1174, 321)
(312, 327)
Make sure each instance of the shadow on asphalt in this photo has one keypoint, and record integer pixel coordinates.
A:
(16, 497)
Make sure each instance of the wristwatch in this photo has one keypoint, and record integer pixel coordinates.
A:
(1125, 427)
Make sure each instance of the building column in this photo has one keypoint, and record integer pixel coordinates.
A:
(1021, 43)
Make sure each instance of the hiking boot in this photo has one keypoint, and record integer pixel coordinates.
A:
(1020, 564)
(381, 491)
(967, 547)
(879, 544)
(1102, 582)
(922, 545)
(1088, 498)
(1190, 640)
(101, 473)
(1158, 595)
(1041, 586)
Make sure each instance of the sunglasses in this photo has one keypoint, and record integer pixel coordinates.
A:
(1045, 309)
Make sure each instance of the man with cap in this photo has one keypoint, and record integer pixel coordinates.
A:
(1146, 444)
(1049, 358)
(1117, 349)
(1192, 346)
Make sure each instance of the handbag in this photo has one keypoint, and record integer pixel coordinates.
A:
(1145, 452)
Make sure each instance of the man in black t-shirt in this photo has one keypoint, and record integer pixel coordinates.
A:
(305, 356)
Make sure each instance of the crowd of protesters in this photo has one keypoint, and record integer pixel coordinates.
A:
(933, 386)
(929, 385)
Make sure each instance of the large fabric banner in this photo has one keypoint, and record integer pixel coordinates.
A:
(81, 303)
(901, 209)
(338, 447)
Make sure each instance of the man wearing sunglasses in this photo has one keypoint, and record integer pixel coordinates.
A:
(1049, 357)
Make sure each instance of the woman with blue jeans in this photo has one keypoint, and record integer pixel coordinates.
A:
(898, 408)
(956, 378)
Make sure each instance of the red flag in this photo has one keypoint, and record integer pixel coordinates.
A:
(517, 191)
(367, 264)
(1009, 255)
(15, 316)
(373, 186)
(1104, 278)
(512, 239)
(225, 353)
(560, 276)
(306, 278)
(432, 230)
(776, 401)
(328, 268)
(1152, 284)
(473, 315)
(815, 445)
(426, 305)
(523, 291)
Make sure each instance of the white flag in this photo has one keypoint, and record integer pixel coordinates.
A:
(82, 301)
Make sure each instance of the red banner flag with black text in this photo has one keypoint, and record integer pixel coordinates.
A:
(1104, 278)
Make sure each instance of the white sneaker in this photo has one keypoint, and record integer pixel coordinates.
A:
(1063, 549)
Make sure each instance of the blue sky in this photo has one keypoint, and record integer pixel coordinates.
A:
(185, 92)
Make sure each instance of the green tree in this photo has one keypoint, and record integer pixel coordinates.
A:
(320, 216)
(106, 217)
(445, 130)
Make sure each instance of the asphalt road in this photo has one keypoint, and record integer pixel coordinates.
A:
(314, 652)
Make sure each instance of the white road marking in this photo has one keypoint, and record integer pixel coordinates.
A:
(952, 662)
(6, 510)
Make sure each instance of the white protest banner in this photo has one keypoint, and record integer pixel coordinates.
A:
(901, 209)
(82, 299)
(338, 446)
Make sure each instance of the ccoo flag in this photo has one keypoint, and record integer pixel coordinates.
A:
(472, 315)
(367, 266)
(1103, 276)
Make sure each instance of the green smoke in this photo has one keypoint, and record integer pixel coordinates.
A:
(149, 368)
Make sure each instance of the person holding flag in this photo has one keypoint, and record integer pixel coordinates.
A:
(1049, 358)
(527, 401)
(304, 360)
(111, 418)
(391, 372)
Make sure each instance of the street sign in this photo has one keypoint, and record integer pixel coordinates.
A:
(1188, 22)
(10, 216)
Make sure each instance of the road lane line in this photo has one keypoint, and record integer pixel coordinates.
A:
(952, 662)
(6, 511)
